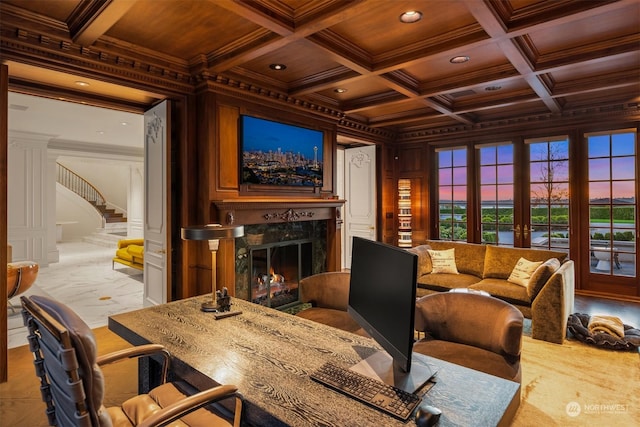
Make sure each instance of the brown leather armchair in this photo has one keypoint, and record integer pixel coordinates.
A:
(328, 294)
(476, 331)
(20, 277)
(72, 383)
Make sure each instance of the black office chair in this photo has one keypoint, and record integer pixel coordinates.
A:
(72, 383)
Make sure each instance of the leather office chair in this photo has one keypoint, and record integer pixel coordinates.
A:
(72, 383)
(328, 294)
(476, 331)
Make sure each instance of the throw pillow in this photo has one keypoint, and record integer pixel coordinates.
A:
(522, 272)
(443, 261)
(541, 276)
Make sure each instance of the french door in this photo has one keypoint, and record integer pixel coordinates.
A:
(487, 196)
(520, 194)
(611, 206)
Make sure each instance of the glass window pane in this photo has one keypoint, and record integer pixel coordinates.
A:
(505, 174)
(488, 175)
(505, 154)
(489, 233)
(623, 168)
(624, 216)
(539, 193)
(622, 144)
(623, 191)
(621, 235)
(460, 193)
(444, 177)
(559, 192)
(488, 155)
(560, 215)
(559, 150)
(599, 192)
(488, 193)
(600, 216)
(444, 159)
(460, 176)
(538, 152)
(489, 214)
(539, 214)
(559, 170)
(505, 193)
(446, 193)
(460, 231)
(537, 171)
(599, 169)
(599, 146)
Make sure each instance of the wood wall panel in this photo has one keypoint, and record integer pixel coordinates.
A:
(228, 162)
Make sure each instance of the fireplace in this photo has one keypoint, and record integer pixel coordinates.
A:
(276, 269)
(285, 240)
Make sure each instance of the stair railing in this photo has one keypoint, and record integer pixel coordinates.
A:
(80, 186)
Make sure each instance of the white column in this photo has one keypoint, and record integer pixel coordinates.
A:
(53, 254)
(27, 197)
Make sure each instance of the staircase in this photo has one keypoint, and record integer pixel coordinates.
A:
(88, 192)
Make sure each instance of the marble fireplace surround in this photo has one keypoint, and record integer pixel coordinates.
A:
(264, 212)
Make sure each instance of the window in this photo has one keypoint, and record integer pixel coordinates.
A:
(496, 194)
(612, 203)
(549, 193)
(452, 187)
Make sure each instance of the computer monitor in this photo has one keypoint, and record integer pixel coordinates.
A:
(382, 299)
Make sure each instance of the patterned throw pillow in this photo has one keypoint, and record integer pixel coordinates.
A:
(443, 261)
(522, 272)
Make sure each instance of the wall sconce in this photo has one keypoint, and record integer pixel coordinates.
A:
(213, 233)
(404, 213)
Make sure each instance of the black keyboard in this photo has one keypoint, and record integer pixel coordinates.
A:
(384, 397)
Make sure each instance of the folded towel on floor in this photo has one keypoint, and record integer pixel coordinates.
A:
(607, 324)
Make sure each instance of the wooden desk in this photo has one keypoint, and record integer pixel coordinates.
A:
(269, 355)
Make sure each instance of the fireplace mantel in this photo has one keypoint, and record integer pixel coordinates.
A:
(269, 210)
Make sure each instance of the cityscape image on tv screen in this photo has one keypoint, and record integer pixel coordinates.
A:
(280, 154)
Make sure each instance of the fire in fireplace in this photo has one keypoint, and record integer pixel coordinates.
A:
(276, 270)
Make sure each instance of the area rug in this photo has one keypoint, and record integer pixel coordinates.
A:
(575, 384)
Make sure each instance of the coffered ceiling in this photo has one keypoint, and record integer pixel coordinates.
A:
(526, 58)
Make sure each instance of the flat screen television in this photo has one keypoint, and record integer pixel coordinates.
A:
(276, 153)
(382, 299)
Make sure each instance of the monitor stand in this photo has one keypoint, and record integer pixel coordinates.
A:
(380, 366)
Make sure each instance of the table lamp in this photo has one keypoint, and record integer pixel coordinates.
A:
(213, 233)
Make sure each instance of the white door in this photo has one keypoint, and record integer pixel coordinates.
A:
(360, 194)
(157, 127)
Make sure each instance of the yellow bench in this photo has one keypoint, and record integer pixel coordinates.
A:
(130, 252)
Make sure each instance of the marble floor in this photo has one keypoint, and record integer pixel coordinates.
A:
(85, 281)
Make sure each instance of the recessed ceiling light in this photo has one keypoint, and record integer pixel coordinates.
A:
(492, 88)
(81, 83)
(459, 59)
(340, 90)
(100, 132)
(411, 16)
(278, 67)
(124, 123)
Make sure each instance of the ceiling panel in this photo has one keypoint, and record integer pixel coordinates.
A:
(546, 56)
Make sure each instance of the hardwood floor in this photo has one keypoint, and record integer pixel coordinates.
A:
(21, 405)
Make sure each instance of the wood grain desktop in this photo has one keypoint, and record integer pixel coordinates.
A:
(269, 355)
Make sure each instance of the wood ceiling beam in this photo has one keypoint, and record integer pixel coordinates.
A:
(92, 18)
(288, 33)
(485, 16)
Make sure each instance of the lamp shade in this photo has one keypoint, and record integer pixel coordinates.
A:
(212, 232)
